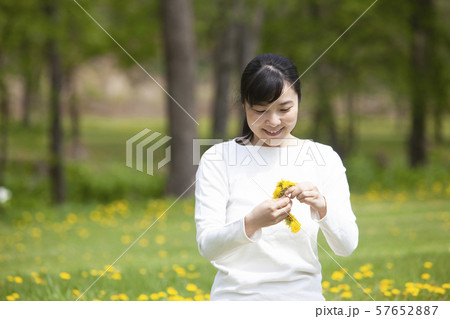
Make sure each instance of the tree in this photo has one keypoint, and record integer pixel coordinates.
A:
(56, 159)
(178, 34)
(419, 76)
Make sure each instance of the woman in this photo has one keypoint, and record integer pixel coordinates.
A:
(240, 229)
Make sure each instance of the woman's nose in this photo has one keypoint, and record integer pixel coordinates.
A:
(273, 119)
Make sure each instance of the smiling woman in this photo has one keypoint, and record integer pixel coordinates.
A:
(270, 94)
(239, 225)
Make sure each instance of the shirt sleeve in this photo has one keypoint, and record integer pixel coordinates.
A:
(215, 237)
(339, 224)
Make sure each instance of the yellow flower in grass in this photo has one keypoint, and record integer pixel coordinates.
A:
(291, 221)
(395, 292)
(115, 298)
(18, 280)
(346, 294)
(191, 287)
(64, 275)
(162, 294)
(368, 290)
(172, 291)
(325, 284)
(199, 298)
(142, 297)
(116, 276)
(358, 275)
(337, 275)
(425, 276)
(428, 264)
(123, 297)
(154, 296)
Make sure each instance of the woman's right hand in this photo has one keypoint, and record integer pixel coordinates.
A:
(268, 213)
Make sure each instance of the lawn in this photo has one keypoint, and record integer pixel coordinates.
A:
(57, 253)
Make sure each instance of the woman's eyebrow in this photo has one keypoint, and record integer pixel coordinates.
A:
(286, 102)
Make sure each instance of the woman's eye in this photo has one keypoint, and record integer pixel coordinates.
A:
(260, 112)
(285, 110)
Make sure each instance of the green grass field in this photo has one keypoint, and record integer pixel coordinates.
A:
(56, 253)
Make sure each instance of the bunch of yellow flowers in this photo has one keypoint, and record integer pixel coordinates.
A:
(291, 221)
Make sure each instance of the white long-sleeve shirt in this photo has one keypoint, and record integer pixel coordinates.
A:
(274, 264)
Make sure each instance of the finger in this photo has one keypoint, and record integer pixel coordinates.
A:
(283, 201)
(292, 191)
(306, 194)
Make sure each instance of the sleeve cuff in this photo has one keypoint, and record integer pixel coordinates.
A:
(255, 237)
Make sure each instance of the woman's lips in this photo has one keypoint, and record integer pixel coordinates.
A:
(274, 133)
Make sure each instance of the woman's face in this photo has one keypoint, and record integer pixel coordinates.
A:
(273, 123)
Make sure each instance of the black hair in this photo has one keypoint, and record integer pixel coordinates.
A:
(262, 83)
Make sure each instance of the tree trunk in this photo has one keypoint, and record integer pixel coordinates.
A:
(178, 33)
(251, 18)
(419, 78)
(225, 57)
(350, 145)
(76, 148)
(324, 120)
(56, 133)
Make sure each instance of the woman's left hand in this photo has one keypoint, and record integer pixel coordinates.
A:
(308, 193)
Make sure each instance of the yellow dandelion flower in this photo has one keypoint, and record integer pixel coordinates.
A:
(76, 292)
(162, 294)
(425, 276)
(191, 267)
(142, 271)
(395, 292)
(172, 291)
(18, 279)
(15, 295)
(10, 298)
(334, 289)
(337, 275)
(142, 297)
(123, 297)
(326, 284)
(428, 264)
(346, 294)
(176, 298)
(367, 290)
(199, 298)
(116, 276)
(387, 293)
(358, 275)
(162, 254)
(439, 290)
(365, 268)
(154, 296)
(160, 240)
(291, 221)
(191, 287)
(64, 275)
(446, 286)
(368, 274)
(10, 278)
(84, 274)
(115, 298)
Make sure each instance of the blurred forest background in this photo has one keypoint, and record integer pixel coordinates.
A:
(79, 78)
(69, 68)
